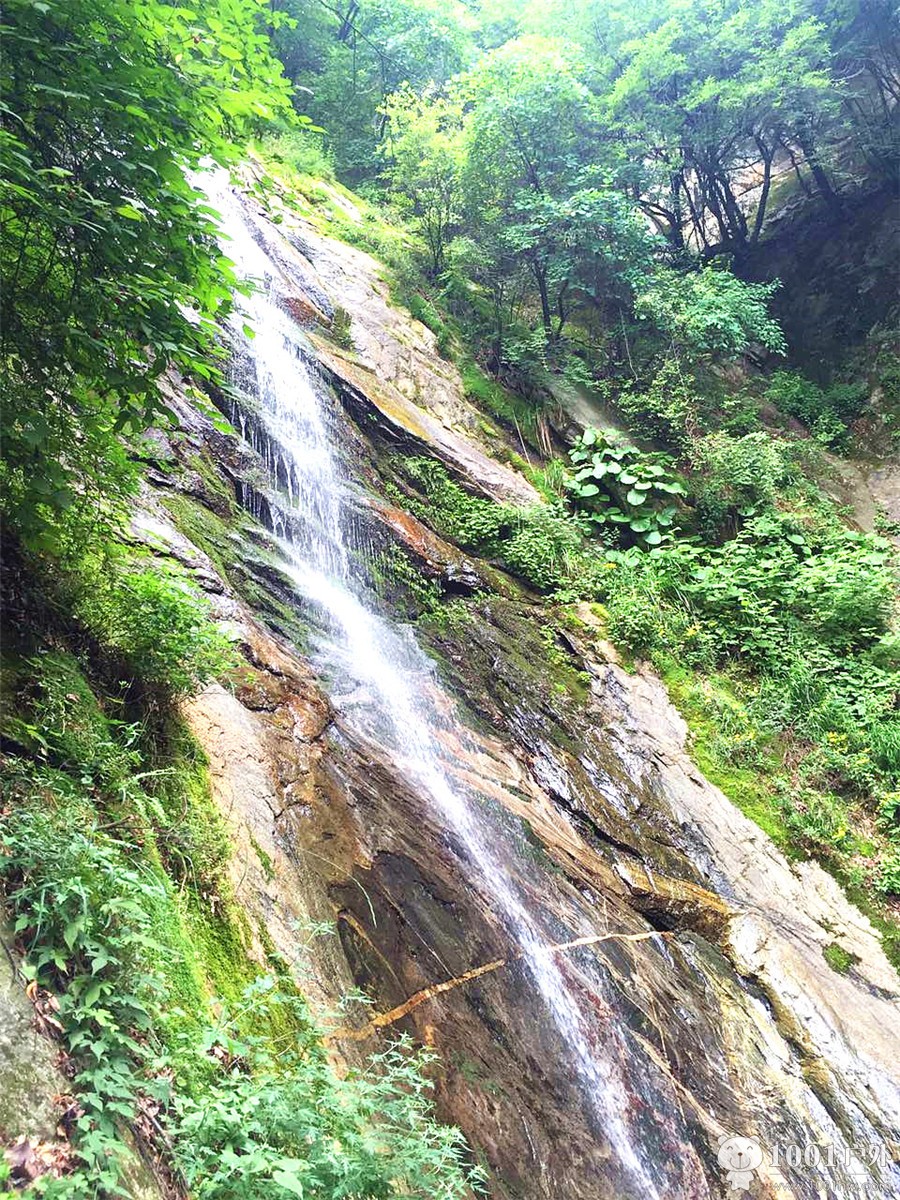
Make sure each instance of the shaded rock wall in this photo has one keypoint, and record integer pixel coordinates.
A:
(839, 275)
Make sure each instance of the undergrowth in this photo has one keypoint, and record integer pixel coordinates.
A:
(114, 866)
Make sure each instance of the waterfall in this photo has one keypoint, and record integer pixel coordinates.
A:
(380, 680)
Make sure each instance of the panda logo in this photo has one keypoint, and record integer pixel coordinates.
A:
(739, 1157)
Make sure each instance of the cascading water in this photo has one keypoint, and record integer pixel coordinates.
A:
(381, 681)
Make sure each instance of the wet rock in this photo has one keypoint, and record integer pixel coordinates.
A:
(397, 419)
(695, 951)
(29, 1075)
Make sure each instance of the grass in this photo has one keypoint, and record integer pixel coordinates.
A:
(758, 790)
(748, 787)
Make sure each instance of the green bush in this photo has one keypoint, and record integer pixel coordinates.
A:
(279, 1123)
(156, 622)
(245, 1101)
(82, 912)
(711, 311)
(888, 879)
(617, 485)
(827, 412)
(772, 588)
(667, 410)
(302, 149)
(635, 620)
(736, 477)
(541, 545)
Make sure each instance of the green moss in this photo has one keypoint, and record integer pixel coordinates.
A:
(222, 941)
(499, 402)
(541, 545)
(264, 859)
(215, 486)
(396, 573)
(200, 525)
(748, 787)
(838, 958)
(762, 789)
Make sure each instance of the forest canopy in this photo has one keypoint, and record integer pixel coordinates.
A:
(558, 161)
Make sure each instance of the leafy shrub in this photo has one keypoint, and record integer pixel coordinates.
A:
(616, 484)
(825, 411)
(711, 311)
(541, 545)
(60, 721)
(737, 477)
(110, 264)
(342, 328)
(161, 628)
(241, 1112)
(537, 544)
(668, 410)
(818, 819)
(888, 879)
(82, 913)
(278, 1123)
(302, 149)
(634, 620)
(769, 589)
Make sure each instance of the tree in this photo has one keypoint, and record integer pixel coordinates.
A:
(705, 99)
(711, 312)
(525, 150)
(423, 150)
(349, 59)
(110, 265)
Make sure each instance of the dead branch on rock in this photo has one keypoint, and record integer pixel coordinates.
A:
(381, 1020)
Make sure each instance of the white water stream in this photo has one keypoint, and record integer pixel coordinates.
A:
(382, 682)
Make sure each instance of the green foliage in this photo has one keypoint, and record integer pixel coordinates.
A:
(82, 913)
(617, 484)
(396, 571)
(107, 909)
(711, 312)
(279, 1123)
(540, 545)
(827, 412)
(155, 623)
(838, 958)
(738, 477)
(424, 150)
(303, 150)
(888, 880)
(506, 405)
(667, 410)
(348, 64)
(775, 588)
(111, 271)
(342, 328)
(583, 197)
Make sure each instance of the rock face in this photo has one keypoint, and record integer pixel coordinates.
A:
(34, 1090)
(707, 1007)
(839, 273)
(29, 1076)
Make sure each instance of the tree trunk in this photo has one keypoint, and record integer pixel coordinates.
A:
(823, 183)
(540, 278)
(767, 156)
